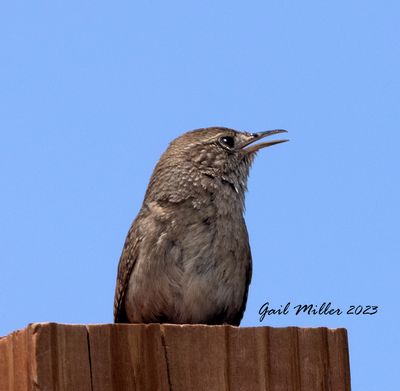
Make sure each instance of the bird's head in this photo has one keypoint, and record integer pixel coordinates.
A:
(222, 154)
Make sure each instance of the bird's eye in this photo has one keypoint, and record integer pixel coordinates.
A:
(227, 141)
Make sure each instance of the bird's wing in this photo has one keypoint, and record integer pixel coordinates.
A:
(125, 267)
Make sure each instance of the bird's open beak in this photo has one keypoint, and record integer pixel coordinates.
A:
(259, 136)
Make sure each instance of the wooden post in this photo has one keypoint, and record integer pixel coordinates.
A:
(108, 357)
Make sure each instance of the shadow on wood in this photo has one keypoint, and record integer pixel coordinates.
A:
(50, 356)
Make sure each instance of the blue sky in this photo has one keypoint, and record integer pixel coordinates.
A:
(92, 93)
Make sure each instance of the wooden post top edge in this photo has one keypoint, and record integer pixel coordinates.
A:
(34, 327)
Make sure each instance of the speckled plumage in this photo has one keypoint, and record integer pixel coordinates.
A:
(186, 258)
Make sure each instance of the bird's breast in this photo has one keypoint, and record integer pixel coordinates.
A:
(192, 259)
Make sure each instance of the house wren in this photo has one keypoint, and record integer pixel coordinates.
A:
(187, 258)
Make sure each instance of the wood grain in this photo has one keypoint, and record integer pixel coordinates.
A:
(58, 357)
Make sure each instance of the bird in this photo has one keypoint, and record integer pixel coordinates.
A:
(186, 257)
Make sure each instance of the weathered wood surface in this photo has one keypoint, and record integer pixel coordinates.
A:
(58, 357)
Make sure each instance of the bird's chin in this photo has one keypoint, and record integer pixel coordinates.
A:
(248, 158)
